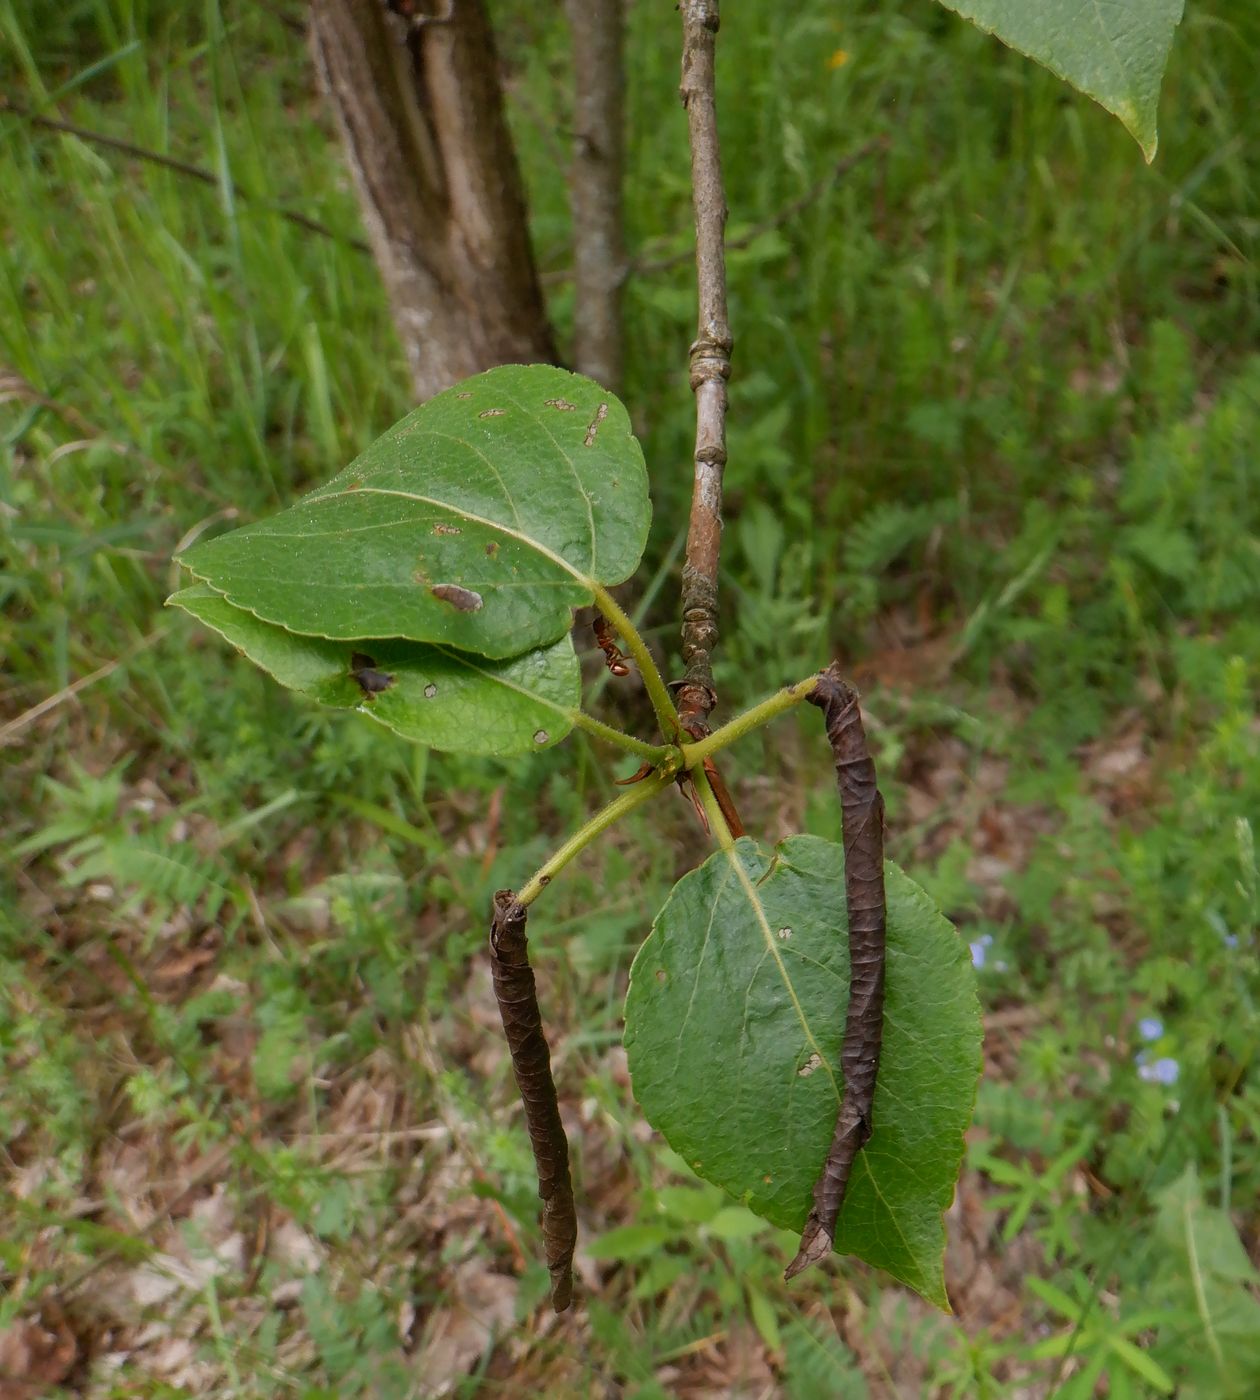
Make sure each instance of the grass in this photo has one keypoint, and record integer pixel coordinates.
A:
(991, 442)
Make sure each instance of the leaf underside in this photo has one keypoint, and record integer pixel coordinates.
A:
(734, 1021)
(1113, 52)
(435, 696)
(479, 522)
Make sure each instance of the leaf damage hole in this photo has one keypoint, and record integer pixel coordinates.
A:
(814, 1062)
(430, 691)
(600, 414)
(443, 529)
(492, 413)
(541, 736)
(785, 933)
(563, 405)
(461, 599)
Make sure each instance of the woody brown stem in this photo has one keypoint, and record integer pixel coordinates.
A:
(710, 363)
(517, 996)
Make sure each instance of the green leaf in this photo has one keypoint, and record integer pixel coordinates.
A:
(734, 1020)
(439, 697)
(1114, 52)
(479, 521)
(1141, 1365)
(735, 1223)
(631, 1241)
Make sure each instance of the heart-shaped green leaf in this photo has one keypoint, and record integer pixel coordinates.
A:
(439, 697)
(1113, 52)
(734, 1020)
(479, 521)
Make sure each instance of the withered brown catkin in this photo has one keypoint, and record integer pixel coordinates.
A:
(522, 1023)
(862, 813)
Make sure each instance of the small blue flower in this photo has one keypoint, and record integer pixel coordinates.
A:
(1150, 1028)
(1230, 940)
(1163, 1071)
(980, 949)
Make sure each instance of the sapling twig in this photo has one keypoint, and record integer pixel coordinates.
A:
(710, 362)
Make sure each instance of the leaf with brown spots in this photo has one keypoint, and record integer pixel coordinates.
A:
(480, 521)
(434, 695)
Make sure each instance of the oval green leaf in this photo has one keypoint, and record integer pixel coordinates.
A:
(436, 696)
(1114, 52)
(734, 1020)
(479, 521)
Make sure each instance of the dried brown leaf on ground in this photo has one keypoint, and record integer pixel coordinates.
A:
(35, 1353)
(458, 1334)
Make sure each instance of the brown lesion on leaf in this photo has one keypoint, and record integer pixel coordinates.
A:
(461, 599)
(563, 405)
(464, 395)
(593, 426)
(441, 528)
(492, 549)
(492, 413)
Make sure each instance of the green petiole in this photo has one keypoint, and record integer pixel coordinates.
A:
(600, 822)
(666, 714)
(685, 757)
(656, 753)
(777, 704)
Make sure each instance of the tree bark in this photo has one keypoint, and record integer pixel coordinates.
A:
(420, 109)
(595, 181)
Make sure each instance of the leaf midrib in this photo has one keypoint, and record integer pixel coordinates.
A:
(461, 511)
(767, 934)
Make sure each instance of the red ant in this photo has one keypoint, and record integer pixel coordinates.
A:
(608, 645)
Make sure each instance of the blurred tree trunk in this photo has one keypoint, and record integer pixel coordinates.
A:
(420, 109)
(599, 254)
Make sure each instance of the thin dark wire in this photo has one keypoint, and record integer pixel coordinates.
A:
(180, 167)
